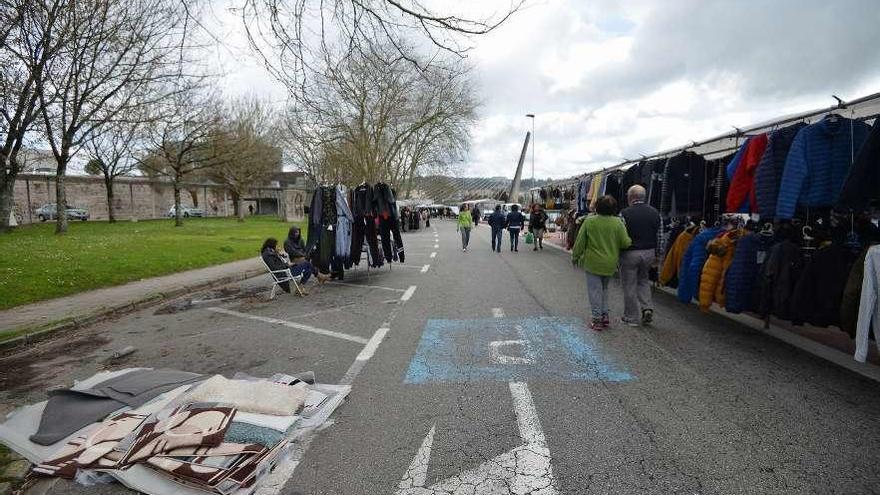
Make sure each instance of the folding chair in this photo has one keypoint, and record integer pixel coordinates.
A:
(281, 276)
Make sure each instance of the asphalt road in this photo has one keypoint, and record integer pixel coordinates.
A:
(485, 379)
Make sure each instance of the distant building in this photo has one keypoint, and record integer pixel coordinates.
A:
(35, 161)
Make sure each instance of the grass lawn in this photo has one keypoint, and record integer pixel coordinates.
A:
(35, 264)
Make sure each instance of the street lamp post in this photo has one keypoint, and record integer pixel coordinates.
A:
(532, 116)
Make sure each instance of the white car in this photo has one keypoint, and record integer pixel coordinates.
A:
(186, 212)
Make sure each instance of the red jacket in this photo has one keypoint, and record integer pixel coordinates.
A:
(742, 185)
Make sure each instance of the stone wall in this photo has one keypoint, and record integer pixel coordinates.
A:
(140, 198)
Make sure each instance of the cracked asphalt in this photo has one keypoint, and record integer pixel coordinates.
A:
(707, 406)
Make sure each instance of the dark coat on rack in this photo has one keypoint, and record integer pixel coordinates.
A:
(742, 274)
(781, 272)
(769, 173)
(863, 182)
(819, 290)
(852, 293)
(685, 178)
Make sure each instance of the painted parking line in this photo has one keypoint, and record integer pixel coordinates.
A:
(425, 268)
(436, 246)
(497, 313)
(408, 294)
(365, 355)
(433, 255)
(365, 286)
(290, 324)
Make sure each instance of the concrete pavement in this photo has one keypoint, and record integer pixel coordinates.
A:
(477, 374)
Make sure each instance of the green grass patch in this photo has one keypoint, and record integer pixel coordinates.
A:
(36, 264)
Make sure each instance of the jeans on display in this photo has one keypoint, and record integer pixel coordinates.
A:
(514, 239)
(465, 236)
(497, 233)
(634, 267)
(597, 291)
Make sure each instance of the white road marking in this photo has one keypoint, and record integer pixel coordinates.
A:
(290, 324)
(497, 356)
(525, 469)
(408, 294)
(367, 286)
(417, 473)
(426, 268)
(370, 349)
(436, 246)
(433, 255)
(497, 313)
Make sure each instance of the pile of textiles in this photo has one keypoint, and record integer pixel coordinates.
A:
(171, 432)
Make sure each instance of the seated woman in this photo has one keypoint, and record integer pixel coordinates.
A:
(295, 246)
(275, 261)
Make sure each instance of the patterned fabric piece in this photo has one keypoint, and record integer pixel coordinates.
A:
(190, 425)
(206, 466)
(87, 449)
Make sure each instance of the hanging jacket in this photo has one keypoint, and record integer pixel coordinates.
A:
(818, 163)
(720, 254)
(669, 273)
(344, 221)
(685, 181)
(362, 201)
(733, 166)
(594, 191)
(742, 191)
(769, 173)
(742, 274)
(863, 182)
(692, 264)
(869, 305)
(781, 273)
(849, 303)
(314, 227)
(819, 290)
(630, 177)
(383, 200)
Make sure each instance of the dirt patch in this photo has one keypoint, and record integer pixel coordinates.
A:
(26, 370)
(203, 299)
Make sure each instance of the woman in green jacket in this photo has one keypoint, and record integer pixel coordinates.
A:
(465, 222)
(600, 240)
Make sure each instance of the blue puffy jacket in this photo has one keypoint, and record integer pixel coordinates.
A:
(818, 163)
(739, 280)
(692, 264)
(769, 173)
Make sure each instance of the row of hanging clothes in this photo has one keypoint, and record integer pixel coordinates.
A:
(342, 222)
(799, 241)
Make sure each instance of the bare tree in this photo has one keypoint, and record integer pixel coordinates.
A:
(181, 140)
(113, 154)
(120, 57)
(245, 147)
(369, 119)
(286, 34)
(31, 34)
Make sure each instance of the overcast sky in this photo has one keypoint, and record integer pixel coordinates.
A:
(611, 79)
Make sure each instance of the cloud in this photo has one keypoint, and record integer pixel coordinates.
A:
(609, 81)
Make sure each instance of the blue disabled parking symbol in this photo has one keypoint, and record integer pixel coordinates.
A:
(509, 349)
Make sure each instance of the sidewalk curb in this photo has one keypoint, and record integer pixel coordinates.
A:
(43, 332)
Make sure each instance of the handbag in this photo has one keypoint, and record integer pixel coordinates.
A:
(530, 238)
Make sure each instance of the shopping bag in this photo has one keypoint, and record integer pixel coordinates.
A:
(530, 238)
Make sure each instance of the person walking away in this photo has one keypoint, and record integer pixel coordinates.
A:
(475, 215)
(642, 224)
(538, 225)
(465, 222)
(600, 240)
(515, 222)
(496, 221)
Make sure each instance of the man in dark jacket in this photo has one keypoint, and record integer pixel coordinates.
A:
(642, 224)
(537, 225)
(496, 221)
(515, 222)
(475, 215)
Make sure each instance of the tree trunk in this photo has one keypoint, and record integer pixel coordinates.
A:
(239, 208)
(7, 185)
(236, 204)
(61, 223)
(108, 185)
(178, 215)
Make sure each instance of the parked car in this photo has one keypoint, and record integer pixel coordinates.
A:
(49, 211)
(187, 211)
